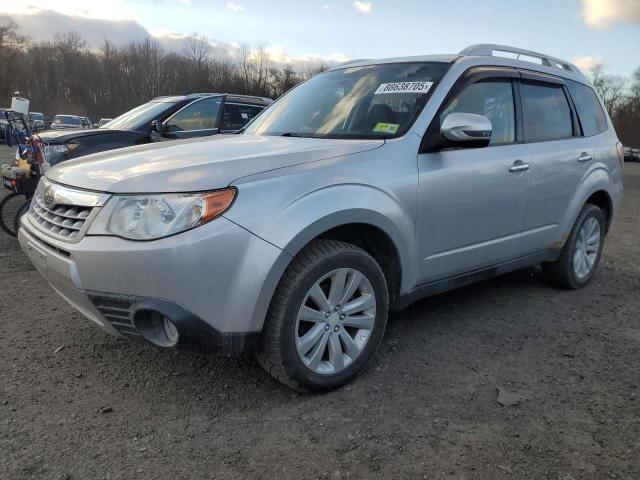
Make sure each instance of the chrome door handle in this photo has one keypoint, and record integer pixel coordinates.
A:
(519, 166)
(584, 157)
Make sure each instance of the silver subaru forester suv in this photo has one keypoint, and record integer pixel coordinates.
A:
(361, 190)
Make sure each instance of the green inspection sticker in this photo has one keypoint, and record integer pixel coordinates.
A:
(386, 127)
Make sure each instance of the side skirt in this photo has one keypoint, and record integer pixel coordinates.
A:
(462, 280)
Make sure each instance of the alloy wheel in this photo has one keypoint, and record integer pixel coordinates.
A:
(587, 247)
(335, 321)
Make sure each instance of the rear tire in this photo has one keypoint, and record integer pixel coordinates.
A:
(327, 317)
(581, 253)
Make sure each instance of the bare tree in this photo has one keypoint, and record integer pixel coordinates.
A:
(247, 67)
(196, 50)
(11, 46)
(262, 62)
(610, 87)
(314, 70)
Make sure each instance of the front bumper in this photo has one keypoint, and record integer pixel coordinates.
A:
(212, 282)
(131, 316)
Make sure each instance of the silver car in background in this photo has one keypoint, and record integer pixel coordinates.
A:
(370, 186)
(63, 122)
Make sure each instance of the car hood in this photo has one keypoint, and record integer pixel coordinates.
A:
(68, 133)
(197, 164)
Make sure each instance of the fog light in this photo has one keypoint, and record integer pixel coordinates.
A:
(156, 328)
(171, 331)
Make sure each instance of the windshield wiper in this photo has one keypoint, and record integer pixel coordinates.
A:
(290, 134)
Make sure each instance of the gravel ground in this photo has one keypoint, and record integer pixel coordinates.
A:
(77, 404)
(6, 154)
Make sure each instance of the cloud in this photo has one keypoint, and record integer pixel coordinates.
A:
(605, 13)
(111, 10)
(364, 7)
(326, 7)
(278, 55)
(185, 2)
(234, 7)
(43, 25)
(587, 64)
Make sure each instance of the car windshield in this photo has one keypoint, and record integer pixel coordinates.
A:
(66, 119)
(376, 101)
(139, 117)
(36, 116)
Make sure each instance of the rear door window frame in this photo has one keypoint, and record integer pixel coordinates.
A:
(528, 76)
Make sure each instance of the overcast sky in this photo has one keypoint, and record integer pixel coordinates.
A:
(584, 31)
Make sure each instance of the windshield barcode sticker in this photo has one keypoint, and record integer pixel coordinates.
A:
(404, 87)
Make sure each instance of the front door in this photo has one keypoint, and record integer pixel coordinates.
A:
(472, 201)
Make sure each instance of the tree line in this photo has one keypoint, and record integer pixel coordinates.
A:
(64, 76)
(621, 96)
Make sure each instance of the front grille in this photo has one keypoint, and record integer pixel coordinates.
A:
(62, 221)
(117, 312)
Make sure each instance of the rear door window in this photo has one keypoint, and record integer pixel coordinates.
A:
(236, 115)
(592, 118)
(546, 112)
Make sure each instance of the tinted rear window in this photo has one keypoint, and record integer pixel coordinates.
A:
(546, 112)
(592, 118)
(236, 115)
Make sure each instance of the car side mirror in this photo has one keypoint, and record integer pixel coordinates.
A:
(157, 126)
(466, 130)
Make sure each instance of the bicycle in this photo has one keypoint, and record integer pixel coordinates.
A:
(21, 179)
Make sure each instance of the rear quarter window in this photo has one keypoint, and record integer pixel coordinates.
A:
(592, 118)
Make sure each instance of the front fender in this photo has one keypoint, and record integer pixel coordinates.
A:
(323, 209)
(309, 215)
(298, 222)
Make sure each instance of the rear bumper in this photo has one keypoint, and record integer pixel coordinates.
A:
(211, 282)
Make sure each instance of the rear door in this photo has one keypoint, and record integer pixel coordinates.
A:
(560, 156)
(472, 201)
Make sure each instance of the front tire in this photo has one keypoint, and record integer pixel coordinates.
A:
(327, 317)
(581, 253)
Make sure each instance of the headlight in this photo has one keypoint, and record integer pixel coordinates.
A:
(54, 153)
(57, 153)
(149, 217)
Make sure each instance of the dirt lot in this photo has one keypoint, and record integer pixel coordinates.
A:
(75, 403)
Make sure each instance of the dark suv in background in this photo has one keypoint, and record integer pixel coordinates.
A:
(163, 118)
